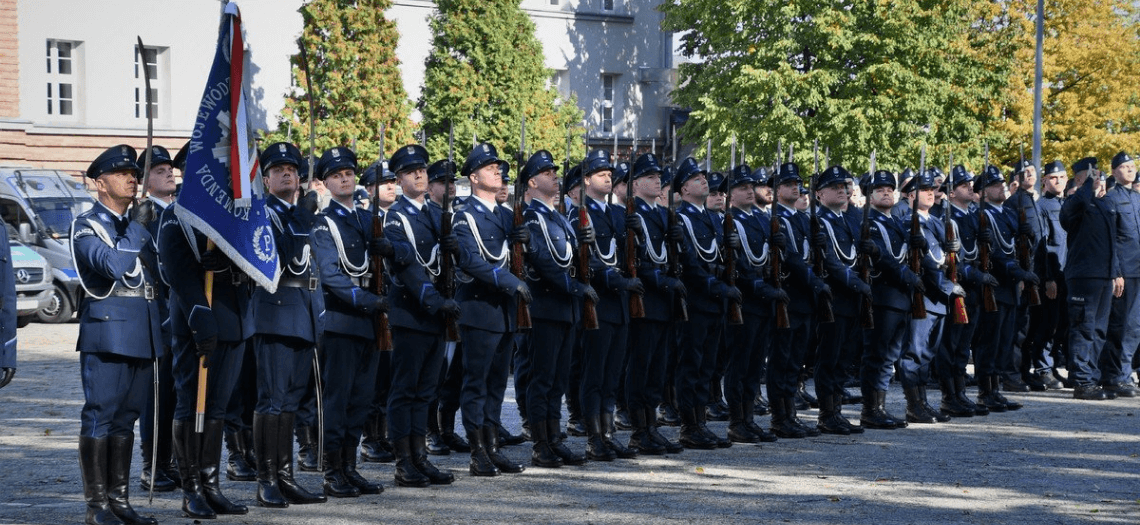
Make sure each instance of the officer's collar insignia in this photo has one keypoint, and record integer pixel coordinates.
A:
(105, 217)
(281, 148)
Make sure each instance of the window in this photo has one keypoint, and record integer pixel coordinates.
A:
(146, 63)
(608, 5)
(61, 77)
(554, 2)
(607, 108)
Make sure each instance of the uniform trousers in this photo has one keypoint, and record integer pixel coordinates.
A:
(284, 365)
(954, 353)
(486, 357)
(747, 345)
(222, 372)
(993, 348)
(645, 371)
(882, 347)
(603, 353)
(549, 346)
(1090, 305)
(1123, 334)
(114, 392)
(165, 404)
(348, 374)
(417, 358)
(837, 343)
(922, 342)
(696, 359)
(786, 357)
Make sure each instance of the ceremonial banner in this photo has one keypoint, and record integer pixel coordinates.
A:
(222, 195)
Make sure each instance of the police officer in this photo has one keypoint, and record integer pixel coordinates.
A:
(341, 238)
(419, 316)
(487, 297)
(703, 277)
(160, 193)
(1091, 270)
(1023, 206)
(285, 331)
(119, 333)
(838, 341)
(1045, 320)
(891, 289)
(375, 446)
(1123, 334)
(555, 310)
(650, 346)
(218, 328)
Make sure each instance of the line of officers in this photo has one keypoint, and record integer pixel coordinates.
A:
(274, 357)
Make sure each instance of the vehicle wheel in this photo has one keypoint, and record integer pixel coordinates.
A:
(23, 320)
(59, 310)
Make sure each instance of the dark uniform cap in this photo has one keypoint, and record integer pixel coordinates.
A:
(1054, 167)
(158, 155)
(595, 161)
(384, 175)
(1019, 168)
(115, 158)
(666, 176)
(742, 174)
(879, 179)
(334, 160)
(573, 178)
(505, 170)
(832, 175)
(990, 175)
(281, 153)
(1084, 164)
(905, 177)
(646, 164)
(439, 170)
(687, 170)
(541, 161)
(360, 195)
(960, 175)
(621, 172)
(368, 178)
(407, 158)
(923, 181)
(481, 155)
(1109, 183)
(762, 175)
(718, 183)
(789, 172)
(1121, 158)
(804, 189)
(179, 160)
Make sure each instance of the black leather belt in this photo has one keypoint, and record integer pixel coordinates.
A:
(299, 282)
(145, 291)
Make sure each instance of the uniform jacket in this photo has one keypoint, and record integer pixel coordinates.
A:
(1003, 251)
(703, 266)
(934, 279)
(487, 289)
(292, 311)
(340, 241)
(607, 260)
(1090, 224)
(1126, 203)
(802, 284)
(841, 254)
(753, 269)
(550, 261)
(969, 267)
(414, 230)
(1051, 252)
(112, 253)
(890, 274)
(162, 288)
(653, 261)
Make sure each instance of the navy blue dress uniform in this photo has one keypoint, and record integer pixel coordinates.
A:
(1123, 334)
(748, 343)
(1047, 321)
(699, 339)
(839, 341)
(165, 473)
(650, 345)
(119, 339)
(487, 297)
(1090, 267)
(891, 285)
(286, 329)
(926, 334)
(786, 358)
(951, 359)
(341, 238)
(417, 319)
(994, 352)
(218, 328)
(1016, 372)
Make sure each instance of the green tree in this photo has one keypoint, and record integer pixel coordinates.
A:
(351, 52)
(484, 74)
(885, 75)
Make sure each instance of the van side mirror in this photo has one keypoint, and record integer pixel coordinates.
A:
(26, 236)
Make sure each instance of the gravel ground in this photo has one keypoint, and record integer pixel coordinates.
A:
(1058, 460)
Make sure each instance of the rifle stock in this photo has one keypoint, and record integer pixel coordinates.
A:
(523, 315)
(589, 310)
(636, 302)
(447, 263)
(865, 258)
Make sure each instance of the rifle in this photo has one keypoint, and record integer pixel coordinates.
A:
(958, 308)
(565, 172)
(734, 313)
(917, 302)
(589, 312)
(1024, 248)
(523, 316)
(774, 253)
(447, 263)
(865, 258)
(673, 249)
(379, 287)
(826, 315)
(636, 304)
(989, 302)
(313, 116)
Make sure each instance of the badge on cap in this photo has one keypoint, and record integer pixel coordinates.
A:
(411, 150)
(125, 153)
(281, 147)
(335, 153)
(486, 149)
(835, 170)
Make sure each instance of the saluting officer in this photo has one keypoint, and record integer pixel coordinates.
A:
(119, 334)
(285, 330)
(703, 273)
(341, 241)
(650, 345)
(487, 300)
(418, 317)
(1123, 334)
(216, 328)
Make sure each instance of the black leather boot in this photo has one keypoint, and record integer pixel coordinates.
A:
(348, 465)
(964, 400)
(188, 450)
(307, 446)
(790, 404)
(237, 468)
(691, 434)
(609, 428)
(435, 443)
(951, 403)
(874, 413)
(995, 387)
(596, 449)
(838, 402)
(556, 439)
(454, 441)
(540, 454)
(93, 458)
(407, 475)
(641, 441)
(803, 397)
(738, 430)
(749, 412)
(265, 446)
(292, 491)
(161, 480)
(828, 422)
(119, 450)
(716, 409)
(491, 444)
(622, 419)
(667, 411)
(702, 422)
(938, 416)
(915, 411)
(481, 464)
(209, 468)
(760, 406)
(782, 425)
(336, 485)
(247, 442)
(370, 449)
(506, 439)
(420, 460)
(987, 395)
(575, 425)
(672, 447)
